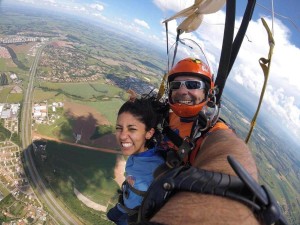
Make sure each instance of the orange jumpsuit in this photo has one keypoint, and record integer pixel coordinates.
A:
(184, 129)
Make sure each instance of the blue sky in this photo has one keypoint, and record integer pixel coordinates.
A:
(143, 19)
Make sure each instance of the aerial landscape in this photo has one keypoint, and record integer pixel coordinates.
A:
(63, 80)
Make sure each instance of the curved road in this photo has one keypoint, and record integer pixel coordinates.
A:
(59, 213)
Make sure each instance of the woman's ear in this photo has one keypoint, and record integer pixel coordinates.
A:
(150, 133)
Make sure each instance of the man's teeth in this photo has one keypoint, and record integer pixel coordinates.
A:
(185, 102)
(126, 145)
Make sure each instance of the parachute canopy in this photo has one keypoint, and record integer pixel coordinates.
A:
(194, 14)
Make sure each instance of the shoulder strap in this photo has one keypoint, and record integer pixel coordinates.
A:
(184, 146)
(134, 190)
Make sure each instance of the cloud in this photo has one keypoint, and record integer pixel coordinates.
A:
(173, 5)
(282, 97)
(97, 7)
(141, 23)
(50, 1)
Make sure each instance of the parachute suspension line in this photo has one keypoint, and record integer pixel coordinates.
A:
(272, 18)
(162, 87)
(167, 39)
(226, 48)
(265, 65)
(176, 46)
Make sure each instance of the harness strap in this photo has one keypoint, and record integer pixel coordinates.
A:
(184, 147)
(134, 190)
(129, 211)
(123, 192)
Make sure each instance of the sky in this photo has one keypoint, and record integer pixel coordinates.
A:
(144, 18)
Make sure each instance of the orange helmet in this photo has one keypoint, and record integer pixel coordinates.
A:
(190, 67)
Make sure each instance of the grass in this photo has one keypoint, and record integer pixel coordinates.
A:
(39, 96)
(83, 91)
(14, 98)
(57, 130)
(91, 172)
(3, 190)
(4, 93)
(107, 108)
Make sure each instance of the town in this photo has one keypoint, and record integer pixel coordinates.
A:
(12, 174)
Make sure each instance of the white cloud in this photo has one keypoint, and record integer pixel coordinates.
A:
(283, 77)
(173, 5)
(50, 1)
(97, 7)
(141, 23)
(282, 97)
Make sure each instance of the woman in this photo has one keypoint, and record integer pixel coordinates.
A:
(137, 135)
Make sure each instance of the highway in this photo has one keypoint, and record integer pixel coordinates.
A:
(60, 214)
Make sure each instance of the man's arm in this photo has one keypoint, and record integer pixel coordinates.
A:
(192, 208)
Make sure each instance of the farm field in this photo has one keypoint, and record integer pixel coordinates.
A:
(90, 172)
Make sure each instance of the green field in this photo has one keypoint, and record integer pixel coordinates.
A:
(90, 172)
(39, 96)
(61, 129)
(83, 91)
(107, 108)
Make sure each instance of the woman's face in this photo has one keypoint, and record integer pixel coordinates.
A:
(131, 134)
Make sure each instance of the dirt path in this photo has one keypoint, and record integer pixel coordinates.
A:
(89, 203)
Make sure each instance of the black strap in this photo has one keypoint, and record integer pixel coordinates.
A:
(230, 49)
(126, 185)
(129, 211)
(186, 178)
(184, 147)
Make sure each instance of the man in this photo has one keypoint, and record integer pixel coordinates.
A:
(191, 89)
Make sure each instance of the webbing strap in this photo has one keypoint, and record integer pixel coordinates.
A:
(134, 190)
(226, 48)
(265, 65)
(230, 49)
(184, 147)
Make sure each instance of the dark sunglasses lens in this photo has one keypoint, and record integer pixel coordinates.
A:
(192, 84)
(175, 84)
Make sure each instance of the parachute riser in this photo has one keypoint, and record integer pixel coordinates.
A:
(231, 48)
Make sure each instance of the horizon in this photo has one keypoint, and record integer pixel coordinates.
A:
(282, 98)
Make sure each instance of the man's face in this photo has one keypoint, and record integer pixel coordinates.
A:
(183, 95)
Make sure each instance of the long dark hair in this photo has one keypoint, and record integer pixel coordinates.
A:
(142, 109)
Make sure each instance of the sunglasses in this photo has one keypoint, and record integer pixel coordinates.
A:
(189, 84)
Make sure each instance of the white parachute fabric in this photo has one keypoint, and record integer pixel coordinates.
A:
(195, 13)
(191, 23)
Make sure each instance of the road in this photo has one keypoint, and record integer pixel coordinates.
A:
(59, 213)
